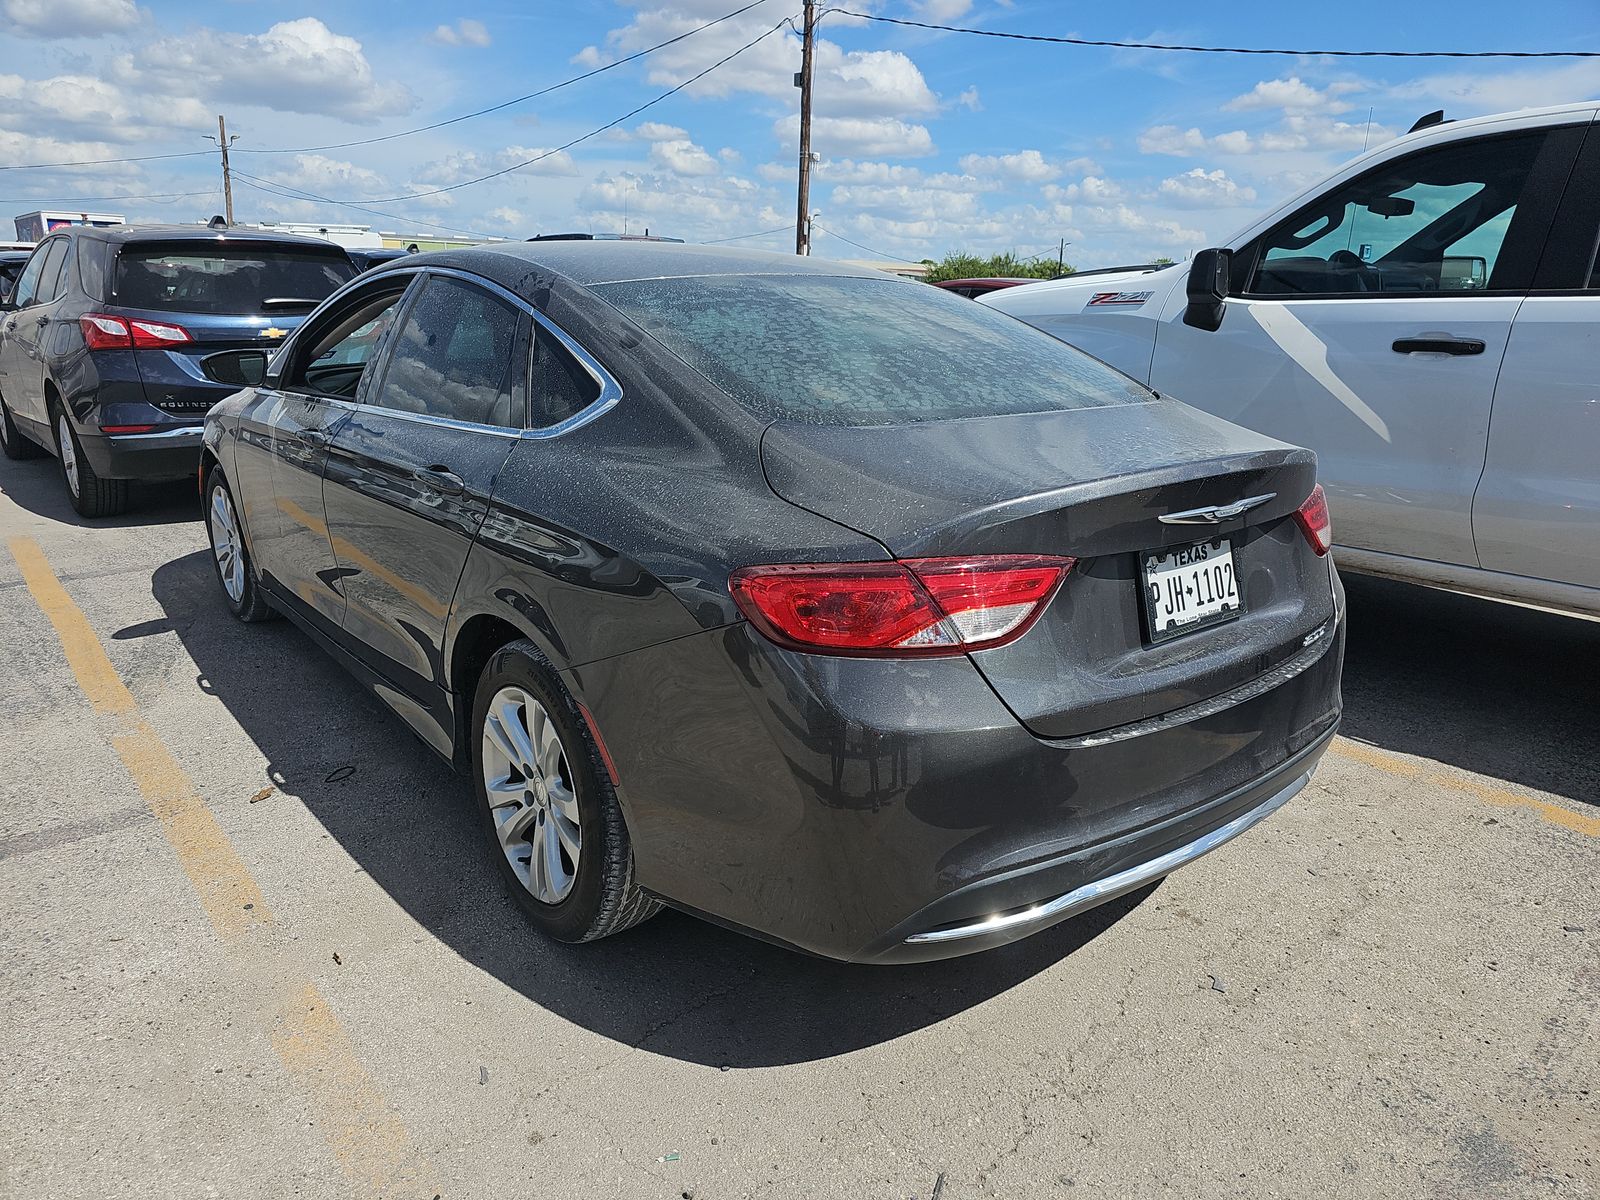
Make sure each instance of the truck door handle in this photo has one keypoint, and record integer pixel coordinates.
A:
(314, 437)
(442, 480)
(1439, 345)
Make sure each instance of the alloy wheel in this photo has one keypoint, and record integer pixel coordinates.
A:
(226, 544)
(531, 795)
(69, 453)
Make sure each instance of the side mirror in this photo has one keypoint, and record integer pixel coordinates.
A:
(1208, 288)
(237, 368)
(6, 305)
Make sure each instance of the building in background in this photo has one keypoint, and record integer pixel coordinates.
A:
(31, 227)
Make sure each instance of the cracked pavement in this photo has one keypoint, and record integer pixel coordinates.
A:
(1412, 1001)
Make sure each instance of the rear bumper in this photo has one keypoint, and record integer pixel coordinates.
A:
(172, 453)
(847, 806)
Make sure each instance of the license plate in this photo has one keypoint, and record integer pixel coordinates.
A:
(1190, 588)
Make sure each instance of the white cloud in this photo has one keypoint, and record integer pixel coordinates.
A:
(295, 66)
(1200, 188)
(469, 164)
(883, 137)
(505, 218)
(969, 100)
(1292, 133)
(1294, 95)
(69, 18)
(1025, 166)
(1464, 94)
(655, 131)
(680, 156)
(465, 32)
(329, 176)
(941, 11)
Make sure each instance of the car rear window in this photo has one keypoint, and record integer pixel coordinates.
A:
(832, 350)
(208, 278)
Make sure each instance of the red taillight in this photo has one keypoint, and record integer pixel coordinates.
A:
(126, 428)
(917, 607)
(1312, 517)
(102, 331)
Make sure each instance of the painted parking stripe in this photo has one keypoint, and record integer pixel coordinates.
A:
(366, 1138)
(1424, 772)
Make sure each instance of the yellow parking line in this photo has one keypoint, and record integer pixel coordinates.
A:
(368, 1141)
(1393, 764)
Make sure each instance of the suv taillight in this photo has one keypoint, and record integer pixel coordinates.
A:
(1312, 517)
(918, 607)
(102, 331)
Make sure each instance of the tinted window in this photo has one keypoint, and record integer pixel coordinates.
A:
(338, 358)
(453, 356)
(92, 267)
(561, 387)
(840, 351)
(211, 278)
(1433, 222)
(50, 276)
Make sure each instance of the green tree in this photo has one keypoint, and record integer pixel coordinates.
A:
(999, 266)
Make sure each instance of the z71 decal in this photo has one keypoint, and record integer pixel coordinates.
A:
(1118, 299)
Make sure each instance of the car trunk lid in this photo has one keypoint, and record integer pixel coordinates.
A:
(1092, 484)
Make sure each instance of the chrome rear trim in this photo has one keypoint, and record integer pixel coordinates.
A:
(1101, 890)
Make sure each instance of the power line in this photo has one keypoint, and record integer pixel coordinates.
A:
(493, 108)
(455, 187)
(859, 246)
(102, 199)
(292, 193)
(741, 237)
(100, 162)
(1070, 41)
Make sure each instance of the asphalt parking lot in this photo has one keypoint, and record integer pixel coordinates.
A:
(251, 946)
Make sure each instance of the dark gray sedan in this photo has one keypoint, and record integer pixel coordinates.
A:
(828, 606)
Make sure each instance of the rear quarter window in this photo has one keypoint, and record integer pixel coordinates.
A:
(836, 350)
(241, 278)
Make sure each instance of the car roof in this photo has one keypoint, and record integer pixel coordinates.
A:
(591, 263)
(131, 234)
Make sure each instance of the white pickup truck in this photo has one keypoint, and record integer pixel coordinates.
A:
(1428, 321)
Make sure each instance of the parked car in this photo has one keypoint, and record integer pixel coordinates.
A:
(367, 257)
(106, 344)
(11, 263)
(971, 288)
(1427, 320)
(827, 605)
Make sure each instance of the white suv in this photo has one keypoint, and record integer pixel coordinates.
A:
(1428, 321)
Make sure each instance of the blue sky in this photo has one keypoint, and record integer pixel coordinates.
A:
(930, 142)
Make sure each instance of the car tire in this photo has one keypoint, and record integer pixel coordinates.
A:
(581, 886)
(91, 495)
(230, 556)
(13, 442)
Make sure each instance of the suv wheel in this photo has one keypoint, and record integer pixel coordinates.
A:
(12, 441)
(235, 572)
(91, 496)
(548, 806)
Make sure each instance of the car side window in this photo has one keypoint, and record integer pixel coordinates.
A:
(340, 353)
(562, 388)
(54, 272)
(453, 356)
(28, 282)
(1436, 221)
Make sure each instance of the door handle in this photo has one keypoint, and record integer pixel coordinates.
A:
(314, 437)
(442, 480)
(44, 321)
(1439, 345)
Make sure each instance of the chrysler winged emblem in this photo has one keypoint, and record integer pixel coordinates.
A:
(1215, 514)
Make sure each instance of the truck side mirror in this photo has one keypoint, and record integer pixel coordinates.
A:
(1208, 288)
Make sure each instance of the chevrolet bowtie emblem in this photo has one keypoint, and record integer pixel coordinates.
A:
(272, 331)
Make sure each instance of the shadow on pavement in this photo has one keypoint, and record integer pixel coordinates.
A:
(675, 986)
(36, 485)
(1504, 691)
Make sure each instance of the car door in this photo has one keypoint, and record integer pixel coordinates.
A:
(25, 330)
(409, 476)
(1537, 508)
(282, 442)
(1371, 326)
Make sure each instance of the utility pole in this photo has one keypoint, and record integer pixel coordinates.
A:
(223, 142)
(802, 221)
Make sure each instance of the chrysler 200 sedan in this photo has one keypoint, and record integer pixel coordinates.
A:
(824, 605)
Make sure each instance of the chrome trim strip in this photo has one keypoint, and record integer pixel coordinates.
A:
(1101, 890)
(1215, 514)
(1314, 646)
(197, 432)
